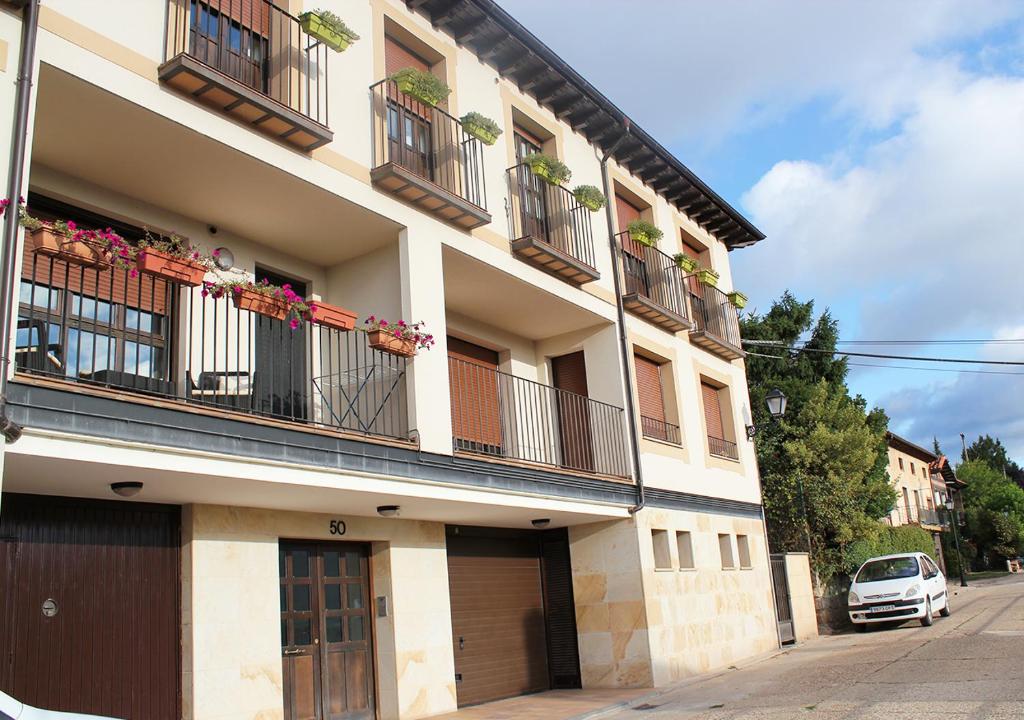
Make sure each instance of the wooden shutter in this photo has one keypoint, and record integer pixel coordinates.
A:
(251, 14)
(398, 57)
(625, 213)
(712, 410)
(570, 374)
(473, 380)
(649, 391)
(526, 143)
(559, 607)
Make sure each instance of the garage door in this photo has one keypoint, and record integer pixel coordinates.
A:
(90, 621)
(513, 623)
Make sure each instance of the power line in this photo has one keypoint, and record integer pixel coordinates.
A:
(779, 345)
(903, 367)
(1000, 341)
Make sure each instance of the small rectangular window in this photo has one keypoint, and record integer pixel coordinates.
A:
(684, 546)
(725, 548)
(900, 460)
(743, 550)
(662, 557)
(912, 470)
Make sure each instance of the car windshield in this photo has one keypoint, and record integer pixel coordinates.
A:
(888, 569)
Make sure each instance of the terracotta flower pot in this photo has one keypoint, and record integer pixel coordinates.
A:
(76, 252)
(260, 303)
(166, 266)
(386, 342)
(333, 316)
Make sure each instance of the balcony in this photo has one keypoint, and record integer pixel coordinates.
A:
(252, 61)
(549, 228)
(654, 429)
(161, 342)
(521, 420)
(653, 285)
(720, 447)
(422, 155)
(716, 323)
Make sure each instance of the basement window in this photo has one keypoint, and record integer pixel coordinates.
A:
(662, 557)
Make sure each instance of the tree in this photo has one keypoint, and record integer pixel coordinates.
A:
(994, 505)
(992, 452)
(935, 446)
(823, 466)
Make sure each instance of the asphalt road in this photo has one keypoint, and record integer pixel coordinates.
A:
(969, 665)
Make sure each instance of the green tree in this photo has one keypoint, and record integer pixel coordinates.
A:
(823, 466)
(994, 505)
(992, 452)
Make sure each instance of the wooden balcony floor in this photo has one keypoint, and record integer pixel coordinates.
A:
(429, 196)
(642, 306)
(547, 257)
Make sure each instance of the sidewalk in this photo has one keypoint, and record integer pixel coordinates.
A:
(551, 705)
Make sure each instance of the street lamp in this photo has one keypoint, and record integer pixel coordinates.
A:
(956, 541)
(776, 401)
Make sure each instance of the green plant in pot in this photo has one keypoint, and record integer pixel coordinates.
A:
(423, 86)
(644, 233)
(482, 128)
(589, 197)
(548, 168)
(708, 276)
(328, 28)
(738, 299)
(686, 263)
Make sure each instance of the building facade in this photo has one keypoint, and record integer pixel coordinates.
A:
(250, 520)
(920, 495)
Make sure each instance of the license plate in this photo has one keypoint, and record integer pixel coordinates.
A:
(883, 608)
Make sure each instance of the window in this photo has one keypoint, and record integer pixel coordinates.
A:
(924, 472)
(692, 250)
(651, 399)
(900, 460)
(725, 549)
(234, 42)
(743, 550)
(718, 444)
(912, 470)
(662, 557)
(684, 546)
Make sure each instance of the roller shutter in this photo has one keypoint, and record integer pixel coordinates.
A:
(712, 410)
(474, 383)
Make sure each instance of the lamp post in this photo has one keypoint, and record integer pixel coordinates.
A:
(775, 399)
(956, 540)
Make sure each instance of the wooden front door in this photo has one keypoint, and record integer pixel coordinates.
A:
(90, 616)
(570, 376)
(325, 631)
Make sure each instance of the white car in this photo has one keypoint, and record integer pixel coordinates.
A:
(897, 587)
(11, 709)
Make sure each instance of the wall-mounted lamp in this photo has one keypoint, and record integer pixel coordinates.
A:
(541, 522)
(126, 489)
(224, 258)
(776, 401)
(388, 510)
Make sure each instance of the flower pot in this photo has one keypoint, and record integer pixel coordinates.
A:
(313, 24)
(687, 264)
(163, 265)
(480, 133)
(591, 204)
(738, 299)
(641, 237)
(75, 252)
(333, 316)
(260, 303)
(407, 86)
(386, 342)
(544, 173)
(707, 277)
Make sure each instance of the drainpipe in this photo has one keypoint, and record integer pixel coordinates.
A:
(8, 260)
(634, 443)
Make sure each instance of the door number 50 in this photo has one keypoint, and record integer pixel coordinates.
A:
(337, 527)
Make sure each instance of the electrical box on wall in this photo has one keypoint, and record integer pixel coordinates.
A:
(382, 606)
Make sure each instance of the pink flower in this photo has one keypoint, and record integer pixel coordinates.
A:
(294, 323)
(383, 323)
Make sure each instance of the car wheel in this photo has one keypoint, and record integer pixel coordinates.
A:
(927, 620)
(945, 611)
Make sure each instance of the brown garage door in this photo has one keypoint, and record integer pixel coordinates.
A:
(90, 620)
(510, 636)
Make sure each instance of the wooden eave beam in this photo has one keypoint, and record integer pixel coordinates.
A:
(444, 18)
(571, 107)
(538, 79)
(516, 65)
(493, 51)
(470, 31)
(549, 92)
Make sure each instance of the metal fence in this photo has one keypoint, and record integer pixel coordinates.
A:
(256, 43)
(712, 311)
(660, 430)
(495, 413)
(723, 448)
(101, 326)
(426, 141)
(651, 273)
(549, 213)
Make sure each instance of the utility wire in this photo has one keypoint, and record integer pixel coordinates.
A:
(903, 367)
(1001, 341)
(779, 345)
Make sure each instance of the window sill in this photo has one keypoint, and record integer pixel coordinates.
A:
(687, 569)
(663, 569)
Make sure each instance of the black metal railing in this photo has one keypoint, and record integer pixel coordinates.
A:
(904, 514)
(498, 414)
(721, 447)
(549, 213)
(651, 273)
(712, 313)
(256, 43)
(101, 326)
(426, 141)
(655, 429)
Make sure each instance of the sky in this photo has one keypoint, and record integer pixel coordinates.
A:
(878, 145)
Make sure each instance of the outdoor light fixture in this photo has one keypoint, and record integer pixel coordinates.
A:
(541, 522)
(10, 430)
(387, 510)
(776, 401)
(949, 503)
(126, 489)
(225, 259)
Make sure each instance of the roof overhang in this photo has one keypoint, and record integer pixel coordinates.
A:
(898, 443)
(502, 42)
